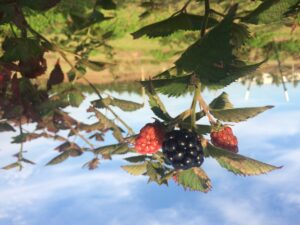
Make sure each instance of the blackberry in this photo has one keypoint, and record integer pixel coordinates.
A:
(182, 149)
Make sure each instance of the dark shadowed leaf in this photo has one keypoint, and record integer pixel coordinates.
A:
(39, 5)
(168, 26)
(270, 11)
(56, 76)
(156, 104)
(106, 4)
(211, 58)
(136, 159)
(6, 127)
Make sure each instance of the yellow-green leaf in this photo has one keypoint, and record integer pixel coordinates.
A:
(137, 169)
(239, 164)
(59, 159)
(238, 114)
(194, 179)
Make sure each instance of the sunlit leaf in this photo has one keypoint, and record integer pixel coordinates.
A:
(221, 102)
(239, 164)
(136, 169)
(58, 159)
(238, 114)
(194, 179)
(76, 98)
(11, 166)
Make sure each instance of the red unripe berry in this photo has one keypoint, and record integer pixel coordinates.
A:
(150, 138)
(223, 137)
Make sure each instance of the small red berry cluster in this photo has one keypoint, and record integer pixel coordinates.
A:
(223, 137)
(150, 138)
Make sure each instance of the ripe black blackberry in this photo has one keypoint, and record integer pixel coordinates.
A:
(182, 149)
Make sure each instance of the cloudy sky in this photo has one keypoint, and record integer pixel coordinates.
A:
(68, 194)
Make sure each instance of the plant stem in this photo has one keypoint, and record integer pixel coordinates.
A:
(183, 9)
(193, 106)
(205, 108)
(76, 132)
(130, 131)
(20, 155)
(206, 15)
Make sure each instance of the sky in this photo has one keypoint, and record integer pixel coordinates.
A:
(67, 194)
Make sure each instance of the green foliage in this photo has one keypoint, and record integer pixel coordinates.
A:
(182, 21)
(221, 102)
(136, 169)
(21, 49)
(4, 127)
(39, 5)
(239, 164)
(270, 11)
(238, 114)
(211, 58)
(194, 179)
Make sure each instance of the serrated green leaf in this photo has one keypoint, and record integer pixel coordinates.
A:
(11, 166)
(136, 169)
(239, 164)
(270, 11)
(136, 159)
(58, 159)
(173, 87)
(168, 26)
(221, 102)
(211, 58)
(194, 179)
(4, 127)
(238, 114)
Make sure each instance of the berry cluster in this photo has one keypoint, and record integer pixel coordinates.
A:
(223, 137)
(182, 149)
(150, 138)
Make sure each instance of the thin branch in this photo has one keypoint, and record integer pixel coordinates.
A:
(130, 131)
(206, 15)
(183, 9)
(217, 13)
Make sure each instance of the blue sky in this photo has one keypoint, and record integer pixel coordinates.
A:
(68, 194)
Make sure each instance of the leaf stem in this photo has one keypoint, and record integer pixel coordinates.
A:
(206, 15)
(205, 108)
(193, 106)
